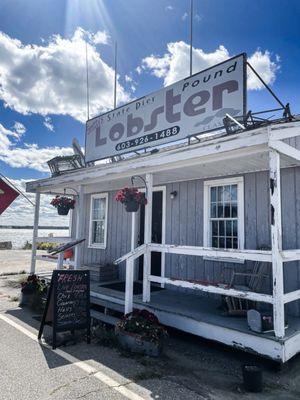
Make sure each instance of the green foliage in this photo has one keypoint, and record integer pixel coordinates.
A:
(143, 323)
(105, 336)
(27, 246)
(40, 246)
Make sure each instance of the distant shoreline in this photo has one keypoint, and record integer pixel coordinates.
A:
(31, 227)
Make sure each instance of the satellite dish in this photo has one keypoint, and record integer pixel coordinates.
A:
(77, 150)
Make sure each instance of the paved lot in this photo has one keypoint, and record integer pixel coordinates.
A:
(189, 369)
(19, 260)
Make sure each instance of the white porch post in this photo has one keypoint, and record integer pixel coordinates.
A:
(35, 231)
(147, 238)
(129, 286)
(79, 226)
(276, 239)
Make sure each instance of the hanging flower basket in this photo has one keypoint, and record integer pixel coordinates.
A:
(63, 204)
(132, 206)
(131, 198)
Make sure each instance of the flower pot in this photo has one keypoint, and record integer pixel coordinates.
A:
(62, 210)
(32, 300)
(136, 344)
(132, 206)
(252, 376)
(27, 299)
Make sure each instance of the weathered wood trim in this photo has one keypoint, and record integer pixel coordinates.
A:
(284, 131)
(265, 298)
(137, 252)
(291, 296)
(290, 255)
(164, 160)
(252, 255)
(276, 241)
(79, 226)
(148, 238)
(129, 286)
(285, 149)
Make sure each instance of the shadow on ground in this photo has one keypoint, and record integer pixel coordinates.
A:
(204, 368)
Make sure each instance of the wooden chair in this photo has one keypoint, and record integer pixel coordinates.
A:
(254, 284)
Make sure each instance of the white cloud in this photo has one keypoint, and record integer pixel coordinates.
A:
(266, 68)
(174, 64)
(128, 78)
(29, 155)
(101, 37)
(184, 16)
(21, 212)
(169, 8)
(51, 78)
(48, 124)
(19, 128)
(139, 70)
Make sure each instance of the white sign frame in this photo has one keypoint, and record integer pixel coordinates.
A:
(171, 113)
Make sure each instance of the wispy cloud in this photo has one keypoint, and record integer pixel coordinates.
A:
(19, 128)
(28, 155)
(169, 8)
(21, 212)
(184, 16)
(48, 124)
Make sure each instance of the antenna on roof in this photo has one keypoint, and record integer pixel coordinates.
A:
(87, 82)
(77, 149)
(115, 82)
(191, 36)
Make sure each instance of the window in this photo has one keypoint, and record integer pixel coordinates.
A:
(98, 221)
(224, 213)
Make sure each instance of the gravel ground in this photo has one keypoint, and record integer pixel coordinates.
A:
(190, 368)
(14, 261)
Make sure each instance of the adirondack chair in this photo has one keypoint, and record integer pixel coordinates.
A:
(254, 284)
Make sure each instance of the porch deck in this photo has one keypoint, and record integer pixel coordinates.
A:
(202, 316)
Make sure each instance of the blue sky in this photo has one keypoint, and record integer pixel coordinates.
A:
(42, 80)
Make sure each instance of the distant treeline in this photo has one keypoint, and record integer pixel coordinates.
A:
(31, 227)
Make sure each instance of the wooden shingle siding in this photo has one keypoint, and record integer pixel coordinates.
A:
(184, 225)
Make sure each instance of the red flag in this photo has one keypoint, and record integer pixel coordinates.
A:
(7, 195)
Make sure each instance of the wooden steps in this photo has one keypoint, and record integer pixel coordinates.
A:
(108, 319)
(106, 311)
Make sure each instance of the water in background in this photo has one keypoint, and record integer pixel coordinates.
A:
(18, 237)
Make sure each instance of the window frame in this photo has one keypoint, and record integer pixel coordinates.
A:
(239, 181)
(98, 245)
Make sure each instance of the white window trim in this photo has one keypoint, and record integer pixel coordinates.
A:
(239, 180)
(98, 245)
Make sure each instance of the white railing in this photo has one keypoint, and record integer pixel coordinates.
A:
(222, 289)
(130, 258)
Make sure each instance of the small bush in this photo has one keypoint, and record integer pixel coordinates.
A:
(27, 246)
(46, 246)
(105, 336)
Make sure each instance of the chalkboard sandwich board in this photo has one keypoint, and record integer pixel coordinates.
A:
(68, 303)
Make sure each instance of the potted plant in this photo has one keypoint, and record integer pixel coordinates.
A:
(131, 197)
(63, 204)
(141, 332)
(32, 292)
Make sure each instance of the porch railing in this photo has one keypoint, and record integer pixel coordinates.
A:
(252, 255)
